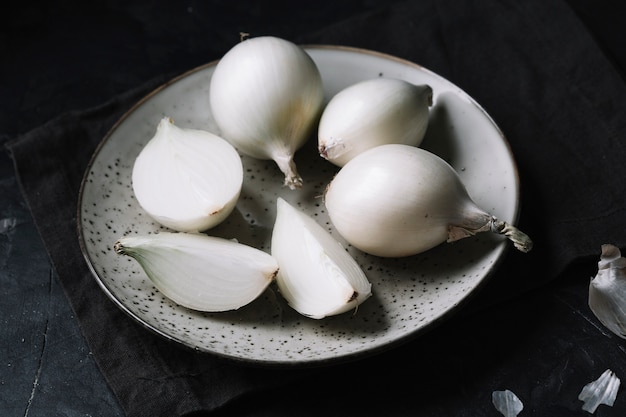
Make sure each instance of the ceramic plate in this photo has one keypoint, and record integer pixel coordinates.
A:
(409, 294)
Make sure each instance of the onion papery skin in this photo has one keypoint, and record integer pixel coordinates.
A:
(399, 200)
(370, 113)
(201, 272)
(188, 180)
(607, 290)
(317, 276)
(266, 96)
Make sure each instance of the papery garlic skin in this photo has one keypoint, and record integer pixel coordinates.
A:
(201, 272)
(399, 200)
(601, 391)
(266, 95)
(187, 179)
(372, 113)
(317, 276)
(507, 403)
(607, 290)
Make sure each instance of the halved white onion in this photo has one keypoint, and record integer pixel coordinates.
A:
(187, 179)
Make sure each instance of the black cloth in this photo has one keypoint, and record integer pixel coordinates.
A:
(559, 100)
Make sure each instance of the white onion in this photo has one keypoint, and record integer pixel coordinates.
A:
(371, 113)
(266, 97)
(201, 272)
(317, 276)
(187, 179)
(399, 200)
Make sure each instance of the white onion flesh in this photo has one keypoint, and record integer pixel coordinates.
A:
(188, 180)
(399, 200)
(372, 113)
(266, 95)
(317, 276)
(201, 272)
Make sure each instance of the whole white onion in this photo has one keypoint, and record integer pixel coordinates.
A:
(372, 113)
(266, 97)
(398, 200)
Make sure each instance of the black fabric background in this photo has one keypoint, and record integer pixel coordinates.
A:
(556, 90)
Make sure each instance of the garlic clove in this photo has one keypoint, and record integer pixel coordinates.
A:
(371, 113)
(187, 179)
(507, 403)
(317, 276)
(266, 95)
(201, 272)
(601, 391)
(607, 290)
(398, 200)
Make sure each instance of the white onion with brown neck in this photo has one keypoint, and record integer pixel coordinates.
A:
(399, 200)
(266, 96)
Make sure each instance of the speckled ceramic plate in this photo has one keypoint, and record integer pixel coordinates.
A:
(409, 294)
